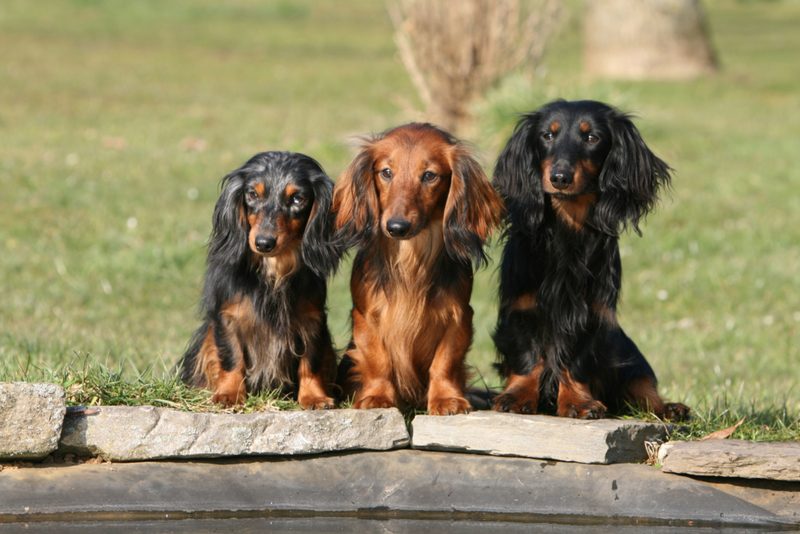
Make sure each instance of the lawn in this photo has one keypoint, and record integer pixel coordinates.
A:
(118, 119)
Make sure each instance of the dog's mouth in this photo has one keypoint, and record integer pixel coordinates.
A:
(566, 194)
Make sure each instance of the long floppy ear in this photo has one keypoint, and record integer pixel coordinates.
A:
(472, 211)
(319, 252)
(355, 203)
(518, 176)
(228, 241)
(630, 180)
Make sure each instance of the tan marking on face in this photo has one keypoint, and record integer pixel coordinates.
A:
(254, 220)
(585, 127)
(290, 190)
(288, 232)
(555, 126)
(260, 188)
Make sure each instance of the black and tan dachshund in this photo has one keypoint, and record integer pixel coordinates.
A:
(269, 254)
(574, 175)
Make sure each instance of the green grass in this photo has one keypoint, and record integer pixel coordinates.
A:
(105, 203)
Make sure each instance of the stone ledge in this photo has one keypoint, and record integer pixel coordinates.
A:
(732, 458)
(124, 433)
(412, 482)
(31, 416)
(604, 441)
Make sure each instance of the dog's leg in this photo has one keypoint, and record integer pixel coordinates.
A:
(575, 399)
(373, 366)
(522, 392)
(643, 392)
(447, 371)
(312, 391)
(231, 388)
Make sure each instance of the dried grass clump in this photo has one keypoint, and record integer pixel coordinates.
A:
(454, 50)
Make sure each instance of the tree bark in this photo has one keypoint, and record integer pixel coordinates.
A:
(646, 39)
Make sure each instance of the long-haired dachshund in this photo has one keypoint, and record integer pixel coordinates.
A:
(265, 324)
(573, 175)
(420, 208)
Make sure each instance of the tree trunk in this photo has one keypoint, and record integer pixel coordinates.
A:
(646, 39)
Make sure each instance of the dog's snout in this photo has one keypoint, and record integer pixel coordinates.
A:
(398, 227)
(265, 243)
(561, 178)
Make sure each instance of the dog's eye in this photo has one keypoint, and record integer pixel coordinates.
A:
(592, 139)
(429, 176)
(252, 194)
(386, 173)
(548, 136)
(297, 199)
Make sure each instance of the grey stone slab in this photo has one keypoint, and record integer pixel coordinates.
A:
(124, 433)
(31, 415)
(354, 525)
(732, 458)
(404, 483)
(603, 441)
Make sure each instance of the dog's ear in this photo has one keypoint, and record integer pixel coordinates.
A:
(228, 242)
(630, 180)
(518, 176)
(472, 211)
(319, 251)
(355, 202)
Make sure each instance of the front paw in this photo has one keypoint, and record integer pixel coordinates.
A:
(516, 402)
(317, 403)
(228, 398)
(448, 406)
(675, 411)
(373, 401)
(582, 409)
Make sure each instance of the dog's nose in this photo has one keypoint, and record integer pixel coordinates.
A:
(561, 178)
(398, 227)
(265, 243)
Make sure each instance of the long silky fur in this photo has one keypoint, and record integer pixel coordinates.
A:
(568, 269)
(234, 273)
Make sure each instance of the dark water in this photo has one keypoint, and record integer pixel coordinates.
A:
(324, 525)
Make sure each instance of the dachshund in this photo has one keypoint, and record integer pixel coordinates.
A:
(265, 322)
(420, 209)
(574, 175)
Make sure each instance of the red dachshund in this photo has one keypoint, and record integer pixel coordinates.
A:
(420, 209)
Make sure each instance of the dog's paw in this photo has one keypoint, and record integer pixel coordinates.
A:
(317, 403)
(586, 409)
(448, 406)
(516, 402)
(675, 411)
(229, 398)
(374, 401)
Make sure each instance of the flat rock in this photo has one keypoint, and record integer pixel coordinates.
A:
(457, 488)
(125, 433)
(604, 441)
(31, 415)
(732, 458)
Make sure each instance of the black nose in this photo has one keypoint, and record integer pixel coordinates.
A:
(265, 243)
(398, 227)
(561, 178)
